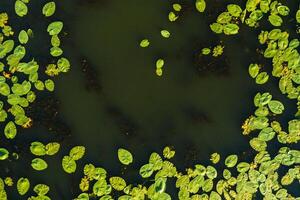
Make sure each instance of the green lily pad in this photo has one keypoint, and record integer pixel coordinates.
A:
(275, 20)
(231, 160)
(68, 164)
(52, 148)
(262, 78)
(49, 9)
(144, 43)
(37, 148)
(23, 186)
(231, 29)
(234, 10)
(200, 5)
(77, 152)
(165, 33)
(124, 156)
(41, 189)
(39, 164)
(146, 170)
(21, 8)
(3, 154)
(10, 130)
(276, 107)
(23, 37)
(117, 183)
(55, 28)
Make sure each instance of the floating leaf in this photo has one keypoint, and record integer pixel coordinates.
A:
(234, 10)
(55, 28)
(146, 170)
(165, 33)
(77, 152)
(49, 9)
(144, 43)
(39, 164)
(156, 160)
(3, 154)
(298, 16)
(37, 148)
(177, 7)
(4, 89)
(41, 189)
(168, 153)
(231, 160)
(253, 70)
(266, 134)
(276, 106)
(258, 144)
(211, 172)
(231, 29)
(117, 183)
(283, 10)
(172, 17)
(52, 148)
(49, 84)
(23, 37)
(262, 78)
(217, 28)
(160, 63)
(200, 5)
(10, 130)
(215, 158)
(68, 164)
(125, 157)
(23, 186)
(275, 20)
(21, 8)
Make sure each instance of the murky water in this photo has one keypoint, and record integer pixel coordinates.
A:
(116, 100)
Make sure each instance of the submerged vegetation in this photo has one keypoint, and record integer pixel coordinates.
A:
(271, 172)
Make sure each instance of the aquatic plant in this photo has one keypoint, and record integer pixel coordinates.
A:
(265, 175)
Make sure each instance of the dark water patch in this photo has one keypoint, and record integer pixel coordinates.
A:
(91, 76)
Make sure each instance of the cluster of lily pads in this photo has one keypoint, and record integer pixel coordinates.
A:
(215, 51)
(172, 17)
(21, 77)
(266, 175)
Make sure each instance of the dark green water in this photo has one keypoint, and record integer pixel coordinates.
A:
(133, 108)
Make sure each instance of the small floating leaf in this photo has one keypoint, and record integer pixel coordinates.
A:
(144, 43)
(68, 164)
(125, 157)
(23, 186)
(52, 148)
(21, 8)
(117, 183)
(3, 154)
(77, 152)
(37, 148)
(49, 9)
(168, 153)
(10, 130)
(276, 106)
(39, 164)
(55, 28)
(231, 161)
(200, 5)
(160, 63)
(165, 33)
(146, 170)
(262, 78)
(23, 37)
(41, 189)
(275, 20)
